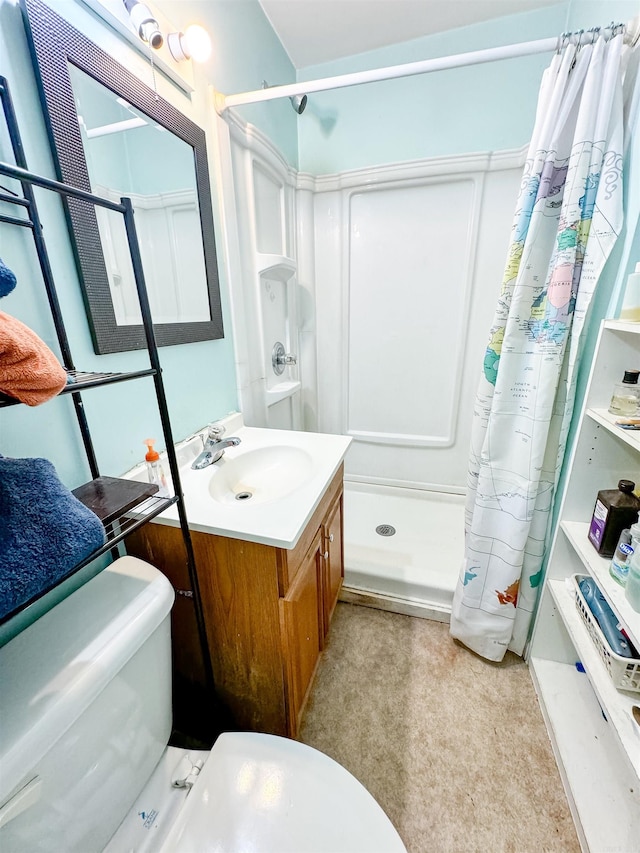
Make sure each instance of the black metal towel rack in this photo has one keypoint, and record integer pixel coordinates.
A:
(152, 507)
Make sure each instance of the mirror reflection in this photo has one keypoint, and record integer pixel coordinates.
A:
(130, 154)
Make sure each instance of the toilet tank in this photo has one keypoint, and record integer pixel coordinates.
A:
(85, 711)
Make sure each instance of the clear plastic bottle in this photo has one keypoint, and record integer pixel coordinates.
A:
(626, 395)
(628, 543)
(155, 471)
(635, 534)
(632, 589)
(619, 568)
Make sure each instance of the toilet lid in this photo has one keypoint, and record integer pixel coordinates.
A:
(260, 793)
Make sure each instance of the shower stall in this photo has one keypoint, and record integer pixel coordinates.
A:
(380, 284)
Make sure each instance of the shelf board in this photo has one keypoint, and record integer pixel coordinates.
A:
(278, 266)
(577, 534)
(616, 704)
(607, 420)
(83, 380)
(111, 497)
(281, 391)
(622, 326)
(602, 794)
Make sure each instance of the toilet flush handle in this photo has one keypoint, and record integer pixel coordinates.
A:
(186, 773)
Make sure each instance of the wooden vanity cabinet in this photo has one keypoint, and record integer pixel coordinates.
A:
(302, 627)
(333, 560)
(266, 610)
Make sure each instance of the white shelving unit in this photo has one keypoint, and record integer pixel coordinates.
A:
(594, 735)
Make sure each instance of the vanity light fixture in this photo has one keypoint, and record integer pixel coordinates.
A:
(194, 43)
(144, 23)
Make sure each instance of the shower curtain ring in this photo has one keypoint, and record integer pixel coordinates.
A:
(580, 33)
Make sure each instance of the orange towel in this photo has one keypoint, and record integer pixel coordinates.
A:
(29, 371)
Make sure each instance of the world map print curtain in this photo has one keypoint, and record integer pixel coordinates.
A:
(568, 215)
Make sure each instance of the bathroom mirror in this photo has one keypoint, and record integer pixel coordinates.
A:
(114, 136)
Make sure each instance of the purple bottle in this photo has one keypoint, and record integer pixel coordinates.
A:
(614, 511)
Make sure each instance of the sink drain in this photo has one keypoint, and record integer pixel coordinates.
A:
(244, 496)
(385, 530)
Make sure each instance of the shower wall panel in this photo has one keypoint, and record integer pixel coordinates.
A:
(409, 261)
(269, 210)
(410, 256)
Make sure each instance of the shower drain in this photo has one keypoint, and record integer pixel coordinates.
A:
(244, 496)
(385, 530)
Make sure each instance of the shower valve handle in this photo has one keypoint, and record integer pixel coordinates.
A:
(281, 359)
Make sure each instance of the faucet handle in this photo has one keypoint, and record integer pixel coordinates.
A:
(215, 430)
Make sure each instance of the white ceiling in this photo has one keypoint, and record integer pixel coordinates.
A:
(316, 31)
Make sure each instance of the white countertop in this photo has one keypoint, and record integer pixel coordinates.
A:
(277, 520)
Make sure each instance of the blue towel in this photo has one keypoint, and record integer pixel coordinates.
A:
(7, 279)
(44, 530)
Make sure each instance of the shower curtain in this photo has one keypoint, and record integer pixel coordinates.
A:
(567, 219)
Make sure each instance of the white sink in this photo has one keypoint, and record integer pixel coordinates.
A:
(260, 475)
(285, 472)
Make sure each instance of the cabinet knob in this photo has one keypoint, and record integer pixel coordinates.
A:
(326, 555)
(331, 537)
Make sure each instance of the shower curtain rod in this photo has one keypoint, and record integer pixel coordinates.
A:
(459, 60)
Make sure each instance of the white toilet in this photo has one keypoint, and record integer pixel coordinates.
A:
(85, 716)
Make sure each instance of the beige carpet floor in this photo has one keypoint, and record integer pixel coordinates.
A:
(452, 747)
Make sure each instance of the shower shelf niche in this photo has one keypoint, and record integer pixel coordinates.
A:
(278, 313)
(591, 724)
(281, 391)
(277, 266)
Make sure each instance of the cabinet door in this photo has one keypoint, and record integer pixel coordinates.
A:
(334, 562)
(301, 614)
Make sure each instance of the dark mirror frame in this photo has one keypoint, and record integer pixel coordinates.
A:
(54, 44)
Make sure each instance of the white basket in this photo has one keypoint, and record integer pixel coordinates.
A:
(624, 672)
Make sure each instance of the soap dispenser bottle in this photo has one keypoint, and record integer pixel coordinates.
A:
(626, 395)
(155, 470)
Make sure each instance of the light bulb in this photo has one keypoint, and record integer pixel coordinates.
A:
(144, 23)
(198, 43)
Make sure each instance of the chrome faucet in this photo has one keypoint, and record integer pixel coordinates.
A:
(214, 446)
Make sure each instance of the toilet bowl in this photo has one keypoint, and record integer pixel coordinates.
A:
(84, 762)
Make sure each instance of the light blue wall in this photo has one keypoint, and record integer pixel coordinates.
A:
(584, 14)
(483, 107)
(245, 52)
(199, 378)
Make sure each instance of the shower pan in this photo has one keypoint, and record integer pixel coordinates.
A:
(403, 548)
